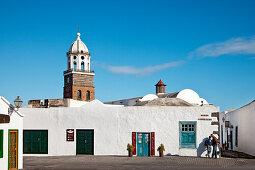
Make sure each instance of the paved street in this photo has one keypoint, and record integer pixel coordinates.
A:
(123, 162)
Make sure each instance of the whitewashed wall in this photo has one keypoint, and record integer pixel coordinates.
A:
(16, 122)
(113, 126)
(244, 118)
(75, 103)
(223, 129)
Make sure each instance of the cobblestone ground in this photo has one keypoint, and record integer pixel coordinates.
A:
(123, 162)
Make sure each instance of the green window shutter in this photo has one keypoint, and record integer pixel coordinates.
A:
(1, 143)
(188, 139)
(187, 134)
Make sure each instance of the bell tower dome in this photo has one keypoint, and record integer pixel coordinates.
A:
(78, 78)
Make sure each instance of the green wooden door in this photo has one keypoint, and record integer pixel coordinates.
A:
(35, 142)
(13, 149)
(1, 143)
(143, 144)
(85, 142)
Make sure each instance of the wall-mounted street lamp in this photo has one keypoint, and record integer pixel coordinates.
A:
(18, 102)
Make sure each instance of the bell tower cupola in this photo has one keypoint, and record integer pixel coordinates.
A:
(160, 88)
(78, 78)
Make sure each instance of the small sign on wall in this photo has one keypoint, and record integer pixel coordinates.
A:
(69, 134)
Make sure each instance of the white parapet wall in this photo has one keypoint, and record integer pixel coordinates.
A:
(113, 126)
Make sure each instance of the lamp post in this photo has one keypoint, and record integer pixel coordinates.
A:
(18, 102)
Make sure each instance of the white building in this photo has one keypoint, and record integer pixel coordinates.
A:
(237, 129)
(181, 121)
(99, 129)
(11, 136)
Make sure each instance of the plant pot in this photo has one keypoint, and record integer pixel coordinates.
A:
(161, 154)
(130, 154)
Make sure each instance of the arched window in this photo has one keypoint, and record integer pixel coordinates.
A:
(79, 94)
(82, 65)
(74, 65)
(88, 95)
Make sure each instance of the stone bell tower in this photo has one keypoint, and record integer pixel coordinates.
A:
(78, 78)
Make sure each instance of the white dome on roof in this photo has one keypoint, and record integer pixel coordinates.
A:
(189, 96)
(78, 46)
(149, 97)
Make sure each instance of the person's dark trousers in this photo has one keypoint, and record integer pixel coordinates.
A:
(214, 151)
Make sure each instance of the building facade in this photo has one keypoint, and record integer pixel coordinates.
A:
(100, 129)
(11, 136)
(237, 129)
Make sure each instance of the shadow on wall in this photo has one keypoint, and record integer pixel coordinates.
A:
(201, 147)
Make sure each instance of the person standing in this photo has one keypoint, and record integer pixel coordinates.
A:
(208, 144)
(215, 143)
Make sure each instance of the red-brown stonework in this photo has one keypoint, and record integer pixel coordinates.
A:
(72, 92)
(84, 90)
(73, 82)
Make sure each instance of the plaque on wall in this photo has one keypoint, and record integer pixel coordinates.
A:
(4, 118)
(69, 134)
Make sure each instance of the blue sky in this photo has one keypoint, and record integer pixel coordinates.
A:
(207, 46)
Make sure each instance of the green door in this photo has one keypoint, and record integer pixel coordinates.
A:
(35, 141)
(143, 144)
(85, 142)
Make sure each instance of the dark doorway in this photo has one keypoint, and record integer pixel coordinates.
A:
(231, 140)
(227, 140)
(85, 142)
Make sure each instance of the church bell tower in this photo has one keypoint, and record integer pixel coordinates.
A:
(78, 78)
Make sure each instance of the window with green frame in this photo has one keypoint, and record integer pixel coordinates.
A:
(187, 134)
(35, 141)
(1, 143)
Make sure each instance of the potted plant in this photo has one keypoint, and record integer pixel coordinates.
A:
(161, 149)
(130, 149)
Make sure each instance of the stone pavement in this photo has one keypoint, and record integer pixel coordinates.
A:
(123, 162)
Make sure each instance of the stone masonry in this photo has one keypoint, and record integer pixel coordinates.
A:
(83, 82)
(79, 80)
